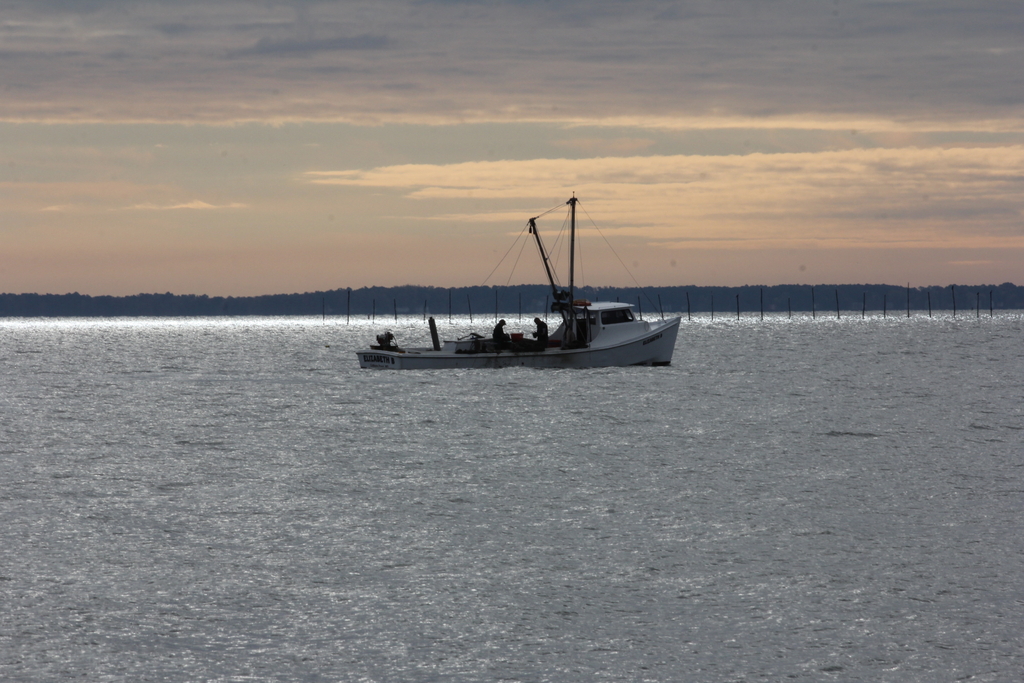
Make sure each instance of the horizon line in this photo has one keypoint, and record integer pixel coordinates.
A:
(492, 287)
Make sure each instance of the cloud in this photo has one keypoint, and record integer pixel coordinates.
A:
(195, 204)
(860, 197)
(267, 46)
(935, 61)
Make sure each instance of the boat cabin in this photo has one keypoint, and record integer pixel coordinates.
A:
(605, 321)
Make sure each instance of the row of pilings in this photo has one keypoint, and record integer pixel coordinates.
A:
(818, 300)
(481, 302)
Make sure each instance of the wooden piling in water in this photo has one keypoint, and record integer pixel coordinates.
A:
(469, 305)
(449, 305)
(814, 313)
(373, 312)
(434, 339)
(864, 307)
(762, 303)
(639, 308)
(348, 307)
(952, 290)
(837, 304)
(789, 305)
(978, 306)
(688, 306)
(396, 309)
(908, 299)
(990, 303)
(737, 306)
(884, 306)
(661, 309)
(929, 304)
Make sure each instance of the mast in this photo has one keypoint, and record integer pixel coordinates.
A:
(572, 248)
(562, 299)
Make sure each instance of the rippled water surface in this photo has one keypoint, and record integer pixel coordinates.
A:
(234, 499)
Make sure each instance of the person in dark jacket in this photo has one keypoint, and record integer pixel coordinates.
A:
(541, 334)
(499, 335)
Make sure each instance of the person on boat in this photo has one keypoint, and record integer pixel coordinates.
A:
(541, 334)
(499, 336)
(386, 342)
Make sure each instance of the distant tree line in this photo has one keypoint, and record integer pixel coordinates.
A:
(530, 299)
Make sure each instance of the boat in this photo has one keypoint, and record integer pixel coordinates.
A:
(590, 334)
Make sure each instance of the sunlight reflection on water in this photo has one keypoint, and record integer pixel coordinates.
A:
(192, 499)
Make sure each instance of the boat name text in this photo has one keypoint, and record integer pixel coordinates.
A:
(654, 338)
(377, 358)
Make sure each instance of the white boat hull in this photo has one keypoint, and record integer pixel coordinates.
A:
(654, 347)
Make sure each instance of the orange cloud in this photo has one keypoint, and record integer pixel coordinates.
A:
(859, 197)
(195, 204)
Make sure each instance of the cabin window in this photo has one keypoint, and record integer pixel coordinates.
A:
(621, 315)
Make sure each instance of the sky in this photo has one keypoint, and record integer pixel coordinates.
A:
(240, 148)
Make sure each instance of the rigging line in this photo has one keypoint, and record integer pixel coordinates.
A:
(519, 256)
(638, 285)
(559, 243)
(579, 250)
(561, 230)
(521, 233)
(554, 208)
(552, 268)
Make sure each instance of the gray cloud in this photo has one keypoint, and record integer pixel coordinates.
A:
(267, 46)
(917, 59)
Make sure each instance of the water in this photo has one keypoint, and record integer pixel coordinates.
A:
(235, 500)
